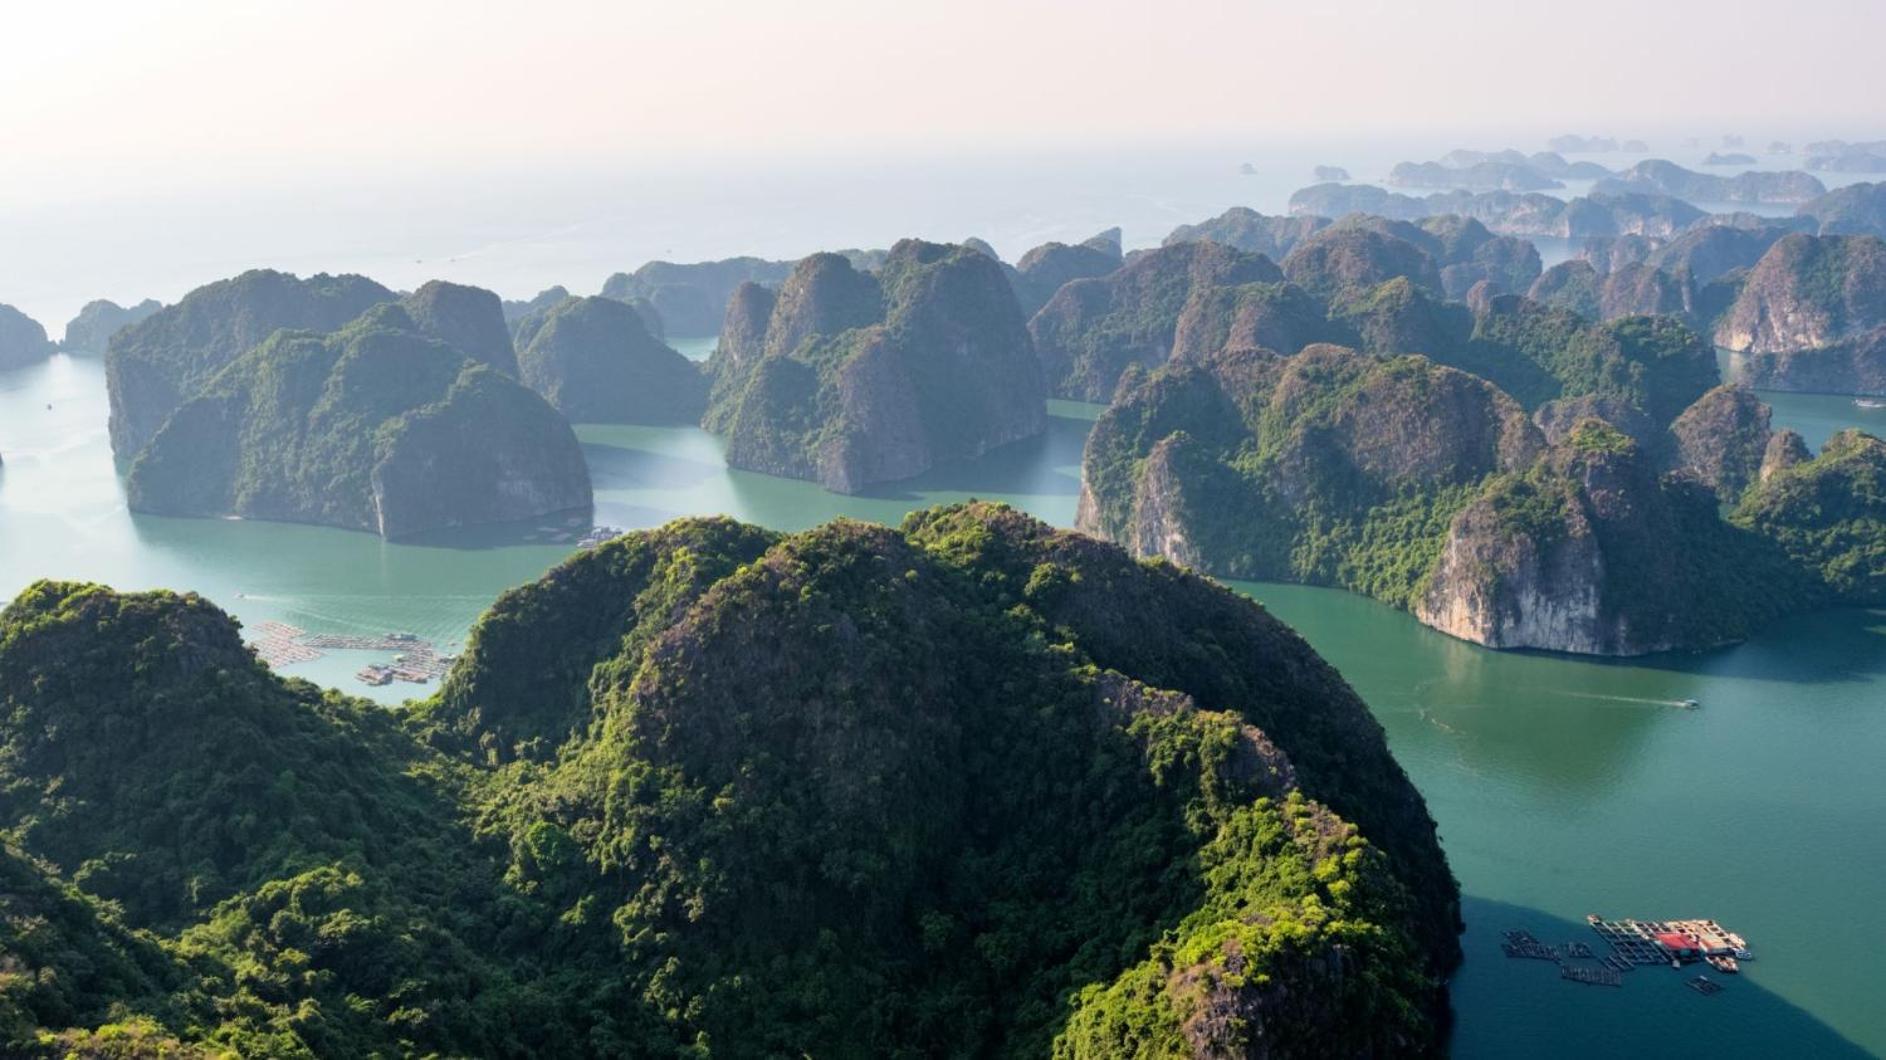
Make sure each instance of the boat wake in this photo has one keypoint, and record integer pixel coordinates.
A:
(1634, 701)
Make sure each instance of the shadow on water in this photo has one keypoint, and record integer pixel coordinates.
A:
(1506, 1007)
(1829, 646)
(1045, 465)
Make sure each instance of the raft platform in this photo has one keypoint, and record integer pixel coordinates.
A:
(1591, 976)
(415, 659)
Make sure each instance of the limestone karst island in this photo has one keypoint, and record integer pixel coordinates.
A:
(1118, 531)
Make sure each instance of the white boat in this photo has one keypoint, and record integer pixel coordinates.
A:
(1870, 403)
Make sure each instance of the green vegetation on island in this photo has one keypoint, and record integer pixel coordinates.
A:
(375, 427)
(1005, 792)
(853, 378)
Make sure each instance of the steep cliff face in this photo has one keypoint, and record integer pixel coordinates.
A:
(1627, 289)
(158, 364)
(1708, 251)
(1785, 449)
(90, 332)
(823, 295)
(22, 340)
(1828, 513)
(375, 427)
(1280, 317)
(1093, 329)
(931, 362)
(1400, 317)
(692, 298)
(1855, 210)
(1809, 292)
(1468, 254)
(594, 361)
(1559, 419)
(1571, 285)
(1590, 551)
(1354, 255)
(1330, 466)
(468, 319)
(1430, 489)
(1811, 315)
(1722, 440)
(1043, 270)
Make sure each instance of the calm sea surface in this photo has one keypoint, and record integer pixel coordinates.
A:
(1562, 786)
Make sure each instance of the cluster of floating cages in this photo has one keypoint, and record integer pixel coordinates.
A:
(416, 660)
(1635, 943)
(280, 644)
(1591, 976)
(1525, 944)
(1631, 945)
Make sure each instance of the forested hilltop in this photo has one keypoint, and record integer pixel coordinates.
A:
(1509, 470)
(971, 786)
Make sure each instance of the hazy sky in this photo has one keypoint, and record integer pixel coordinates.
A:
(96, 95)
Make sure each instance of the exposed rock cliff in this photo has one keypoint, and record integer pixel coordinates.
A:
(1811, 315)
(1469, 254)
(1785, 449)
(692, 298)
(154, 366)
(1855, 210)
(90, 332)
(1280, 317)
(1043, 270)
(594, 361)
(1722, 440)
(1589, 551)
(468, 319)
(1429, 488)
(375, 427)
(1357, 254)
(22, 340)
(860, 380)
(1093, 329)
(1330, 466)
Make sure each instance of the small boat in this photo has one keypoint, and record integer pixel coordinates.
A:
(1744, 955)
(1865, 403)
(1688, 704)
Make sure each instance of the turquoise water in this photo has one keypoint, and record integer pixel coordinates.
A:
(1818, 416)
(1561, 786)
